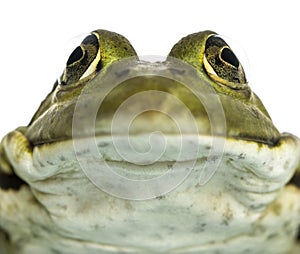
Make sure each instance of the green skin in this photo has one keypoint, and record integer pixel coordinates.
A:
(246, 119)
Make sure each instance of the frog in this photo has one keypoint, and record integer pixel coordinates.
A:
(127, 155)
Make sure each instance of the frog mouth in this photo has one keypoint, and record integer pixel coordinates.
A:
(144, 169)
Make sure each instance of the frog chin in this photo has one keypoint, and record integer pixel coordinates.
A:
(67, 179)
(169, 159)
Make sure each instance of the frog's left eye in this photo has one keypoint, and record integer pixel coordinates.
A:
(221, 64)
(84, 61)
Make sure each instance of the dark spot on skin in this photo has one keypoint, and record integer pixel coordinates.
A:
(176, 71)
(55, 251)
(83, 152)
(242, 156)
(96, 226)
(160, 197)
(248, 251)
(258, 206)
(103, 144)
(213, 158)
(62, 158)
(69, 192)
(170, 229)
(157, 236)
(229, 160)
(170, 166)
(199, 228)
(271, 236)
(63, 207)
(122, 234)
(34, 235)
(11, 181)
(45, 228)
(225, 222)
(122, 73)
(50, 163)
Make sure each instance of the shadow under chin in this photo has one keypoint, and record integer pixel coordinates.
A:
(296, 180)
(10, 181)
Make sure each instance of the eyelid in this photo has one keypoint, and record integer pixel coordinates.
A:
(93, 65)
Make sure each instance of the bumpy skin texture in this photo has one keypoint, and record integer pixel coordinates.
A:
(250, 205)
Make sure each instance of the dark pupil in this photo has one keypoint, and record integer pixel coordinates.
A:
(91, 39)
(75, 55)
(229, 57)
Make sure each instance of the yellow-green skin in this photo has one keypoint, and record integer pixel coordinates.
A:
(247, 206)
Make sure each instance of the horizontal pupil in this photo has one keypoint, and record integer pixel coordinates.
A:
(75, 55)
(229, 57)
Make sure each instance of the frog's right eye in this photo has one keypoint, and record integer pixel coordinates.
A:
(221, 64)
(84, 61)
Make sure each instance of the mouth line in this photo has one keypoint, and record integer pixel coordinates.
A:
(270, 143)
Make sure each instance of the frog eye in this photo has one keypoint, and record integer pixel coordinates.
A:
(84, 61)
(221, 64)
(76, 55)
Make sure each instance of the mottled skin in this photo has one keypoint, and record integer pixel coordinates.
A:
(250, 205)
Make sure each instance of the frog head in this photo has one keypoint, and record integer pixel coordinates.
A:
(214, 65)
(214, 162)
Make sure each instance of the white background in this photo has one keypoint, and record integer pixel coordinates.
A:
(34, 35)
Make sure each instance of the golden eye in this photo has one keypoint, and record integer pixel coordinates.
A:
(222, 65)
(84, 61)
